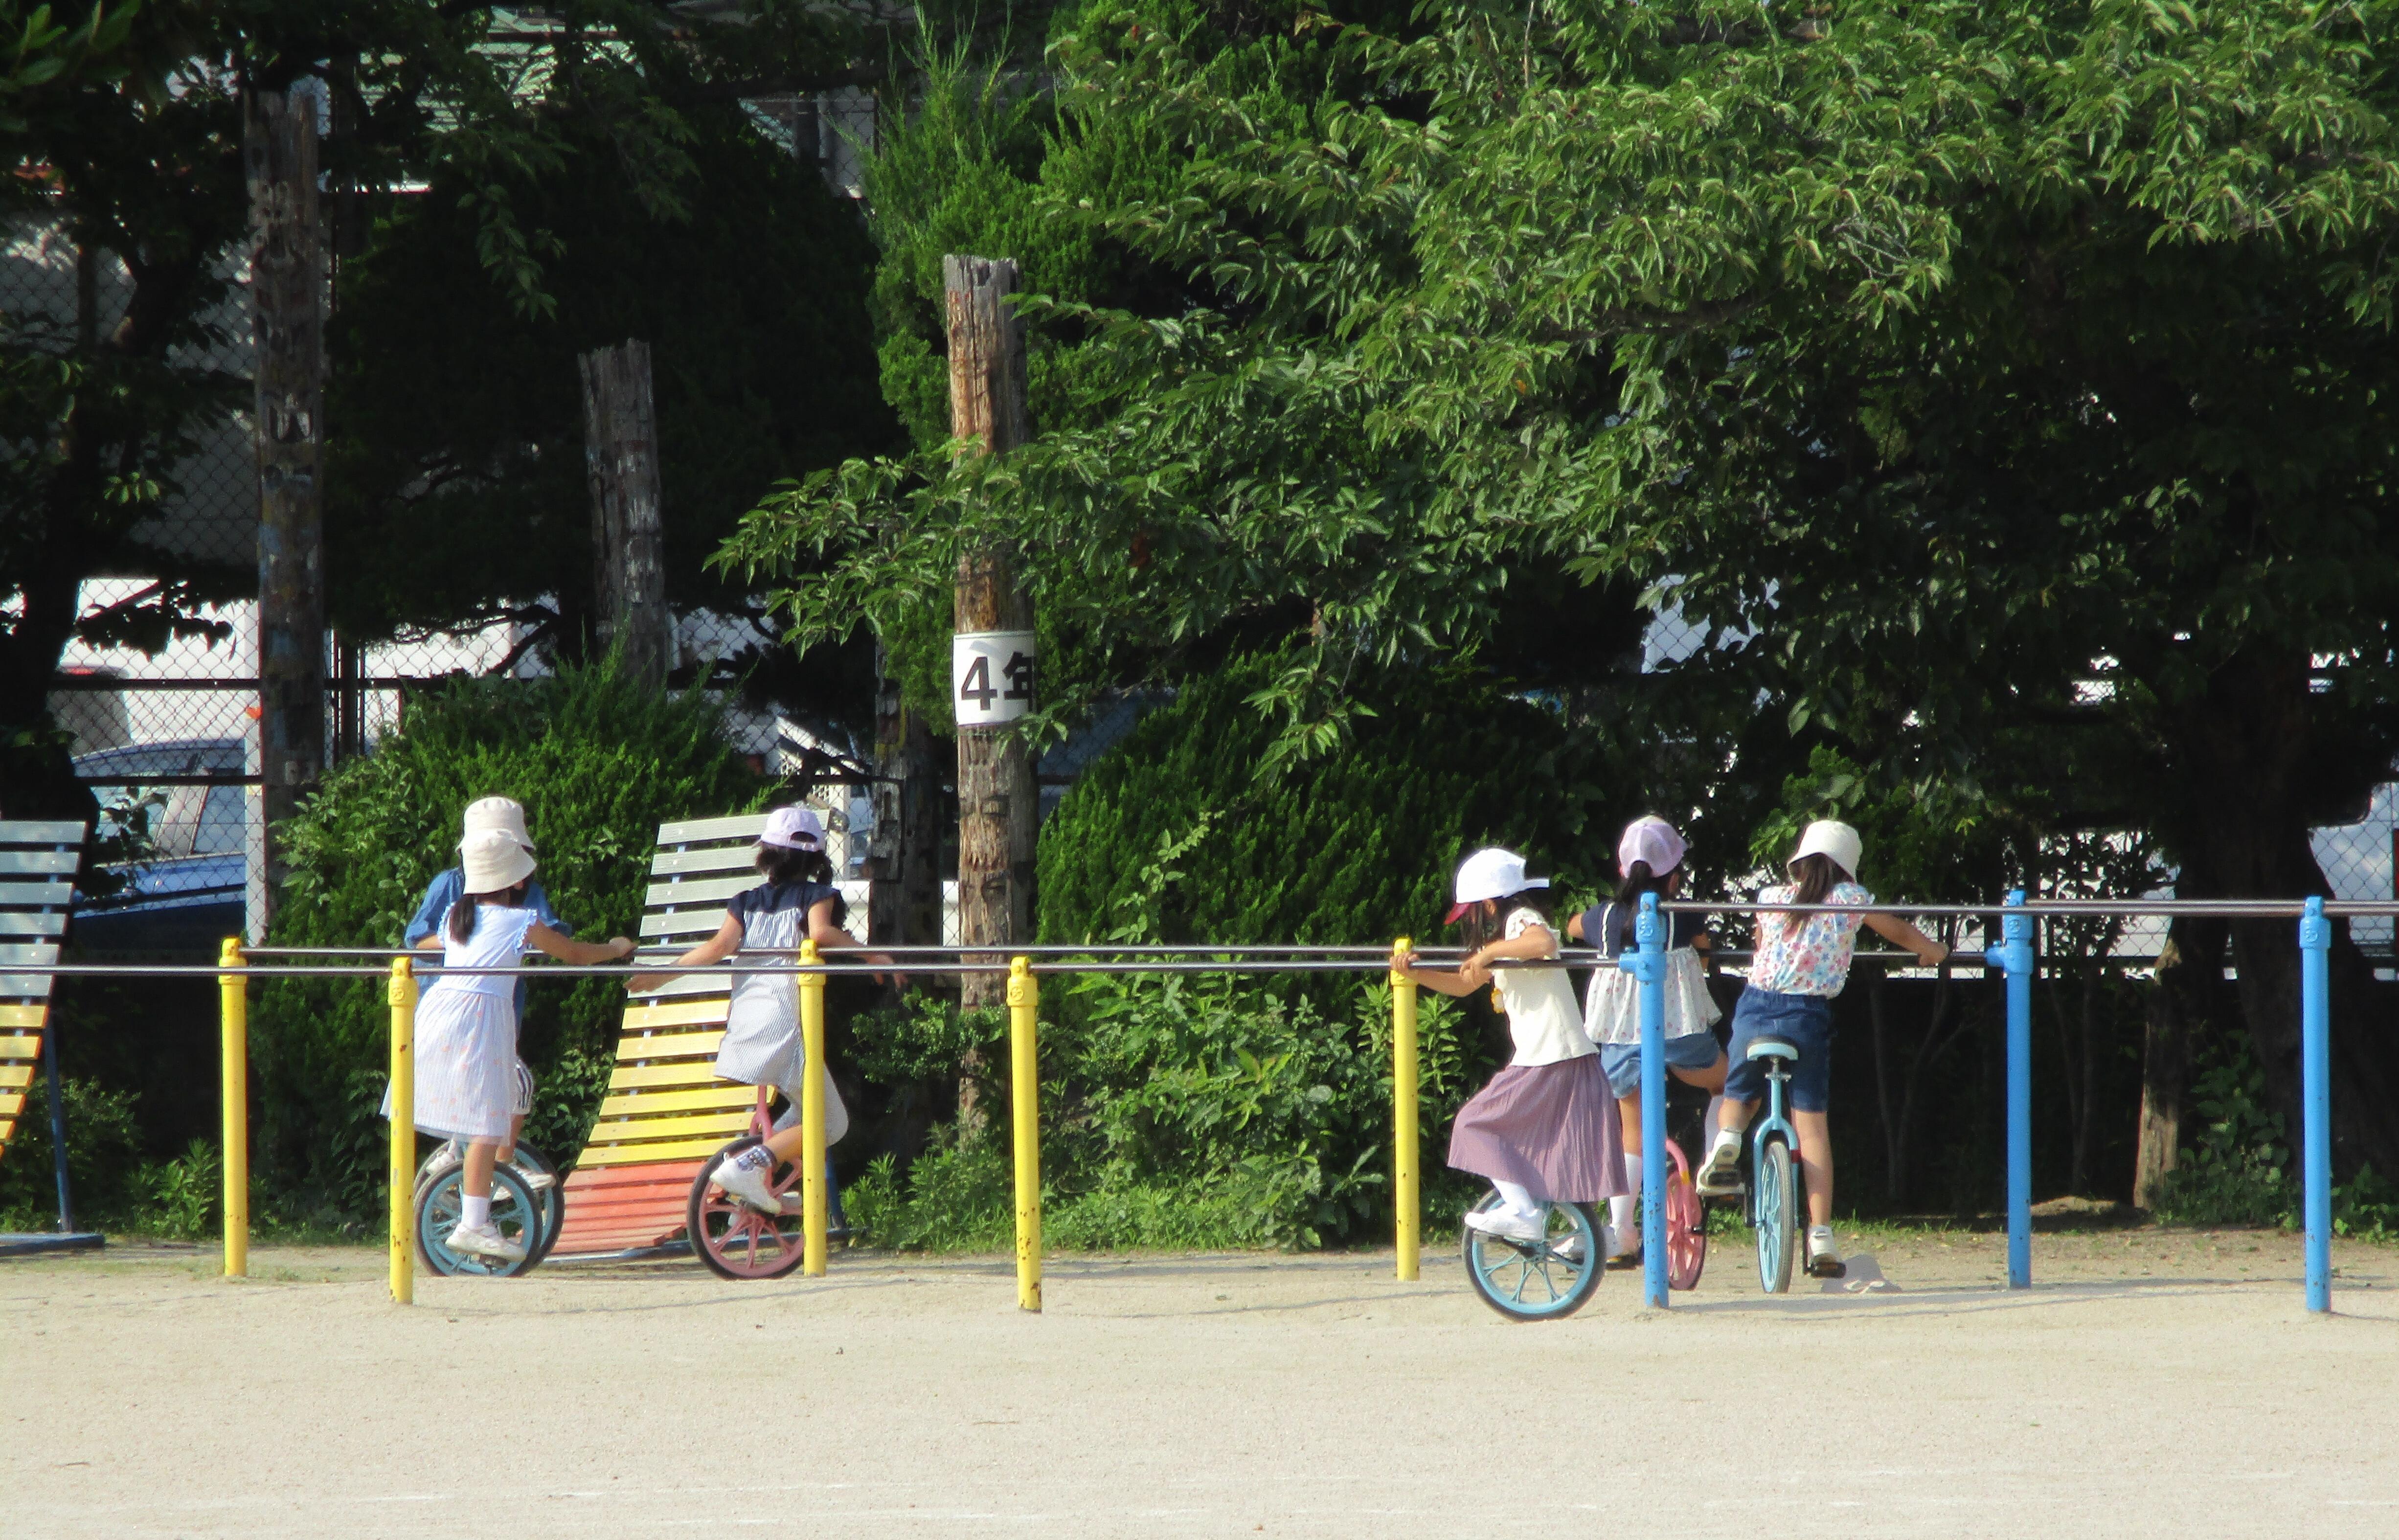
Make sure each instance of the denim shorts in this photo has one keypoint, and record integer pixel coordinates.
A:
(1693, 1050)
(1803, 1020)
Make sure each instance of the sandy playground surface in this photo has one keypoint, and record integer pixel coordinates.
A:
(2150, 1383)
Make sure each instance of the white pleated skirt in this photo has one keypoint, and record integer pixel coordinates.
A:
(466, 1085)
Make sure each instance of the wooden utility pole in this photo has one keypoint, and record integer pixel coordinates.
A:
(287, 291)
(620, 452)
(999, 809)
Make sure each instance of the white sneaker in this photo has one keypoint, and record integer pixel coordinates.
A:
(1823, 1255)
(1720, 1173)
(1509, 1224)
(1569, 1250)
(749, 1184)
(484, 1241)
(535, 1182)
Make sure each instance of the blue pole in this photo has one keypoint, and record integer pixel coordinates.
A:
(1650, 931)
(2014, 955)
(2316, 1079)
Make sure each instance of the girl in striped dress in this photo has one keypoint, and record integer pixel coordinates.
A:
(1544, 1131)
(467, 1024)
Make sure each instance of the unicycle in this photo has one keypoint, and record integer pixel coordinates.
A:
(732, 1238)
(516, 1212)
(548, 1201)
(1537, 1281)
(1774, 1211)
(1686, 1226)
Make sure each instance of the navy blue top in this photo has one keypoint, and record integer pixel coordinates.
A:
(1610, 927)
(790, 900)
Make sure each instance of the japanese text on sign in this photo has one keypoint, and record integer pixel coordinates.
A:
(991, 677)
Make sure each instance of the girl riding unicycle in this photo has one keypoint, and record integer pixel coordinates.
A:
(1544, 1131)
(1783, 1025)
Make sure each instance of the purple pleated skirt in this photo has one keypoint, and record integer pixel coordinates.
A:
(1549, 1127)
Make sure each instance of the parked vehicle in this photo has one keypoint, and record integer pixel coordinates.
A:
(183, 891)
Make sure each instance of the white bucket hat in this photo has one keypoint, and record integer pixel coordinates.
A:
(1489, 874)
(494, 860)
(1653, 840)
(793, 828)
(1831, 837)
(505, 814)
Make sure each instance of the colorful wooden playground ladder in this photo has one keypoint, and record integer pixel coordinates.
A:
(37, 867)
(667, 1111)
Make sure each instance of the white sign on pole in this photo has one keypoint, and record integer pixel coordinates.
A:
(991, 677)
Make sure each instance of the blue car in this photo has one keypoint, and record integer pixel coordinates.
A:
(185, 893)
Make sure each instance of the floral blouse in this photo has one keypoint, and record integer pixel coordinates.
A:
(1807, 954)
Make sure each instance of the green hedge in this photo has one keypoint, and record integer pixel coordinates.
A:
(598, 763)
(1356, 846)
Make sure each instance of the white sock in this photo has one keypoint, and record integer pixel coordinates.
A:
(1633, 1170)
(755, 1158)
(1714, 1118)
(1520, 1201)
(474, 1213)
(1619, 1215)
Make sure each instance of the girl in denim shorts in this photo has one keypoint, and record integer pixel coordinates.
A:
(1802, 962)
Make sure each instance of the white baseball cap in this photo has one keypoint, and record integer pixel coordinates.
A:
(1653, 840)
(494, 860)
(1834, 838)
(505, 814)
(1489, 874)
(793, 828)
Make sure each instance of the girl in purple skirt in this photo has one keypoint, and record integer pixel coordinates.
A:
(1544, 1131)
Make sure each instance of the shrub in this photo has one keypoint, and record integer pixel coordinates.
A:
(599, 762)
(1355, 847)
(102, 1139)
(2238, 1170)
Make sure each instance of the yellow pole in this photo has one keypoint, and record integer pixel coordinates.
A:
(233, 1062)
(1406, 1213)
(1024, 1088)
(404, 1131)
(812, 1113)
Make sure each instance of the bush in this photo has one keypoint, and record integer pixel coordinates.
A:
(2238, 1170)
(599, 762)
(1355, 847)
(103, 1141)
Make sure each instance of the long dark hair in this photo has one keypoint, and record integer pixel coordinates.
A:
(783, 866)
(1482, 927)
(1627, 913)
(462, 914)
(1814, 876)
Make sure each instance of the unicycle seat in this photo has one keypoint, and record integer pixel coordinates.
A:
(1773, 1047)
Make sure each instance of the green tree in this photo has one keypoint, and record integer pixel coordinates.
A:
(125, 137)
(1973, 371)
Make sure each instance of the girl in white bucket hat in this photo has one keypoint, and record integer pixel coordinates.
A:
(1544, 1129)
(762, 1046)
(441, 895)
(1802, 962)
(1648, 860)
(467, 1024)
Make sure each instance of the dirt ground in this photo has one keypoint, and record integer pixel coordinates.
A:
(2150, 1383)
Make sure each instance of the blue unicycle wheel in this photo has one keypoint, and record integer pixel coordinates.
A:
(515, 1213)
(1544, 1279)
(1776, 1214)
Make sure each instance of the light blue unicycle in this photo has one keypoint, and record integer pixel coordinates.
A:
(1774, 1211)
(1537, 1280)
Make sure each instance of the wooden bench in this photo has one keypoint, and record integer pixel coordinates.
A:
(667, 1111)
(37, 869)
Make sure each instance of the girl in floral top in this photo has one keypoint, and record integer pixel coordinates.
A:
(1802, 962)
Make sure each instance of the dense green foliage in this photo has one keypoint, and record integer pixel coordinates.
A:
(599, 763)
(1354, 848)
